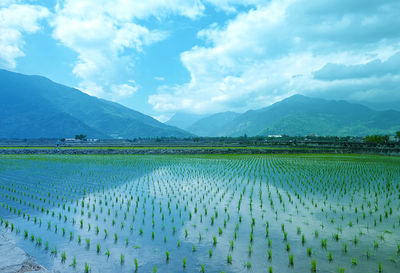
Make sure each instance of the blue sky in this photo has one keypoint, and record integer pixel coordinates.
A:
(206, 56)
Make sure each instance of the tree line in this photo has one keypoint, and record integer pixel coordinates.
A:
(381, 139)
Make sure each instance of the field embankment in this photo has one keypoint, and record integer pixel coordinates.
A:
(197, 150)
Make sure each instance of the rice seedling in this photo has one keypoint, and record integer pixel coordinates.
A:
(313, 265)
(63, 257)
(248, 264)
(291, 259)
(355, 240)
(229, 258)
(323, 243)
(368, 254)
(136, 265)
(336, 236)
(54, 251)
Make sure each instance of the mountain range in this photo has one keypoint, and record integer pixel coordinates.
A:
(35, 107)
(298, 116)
(184, 120)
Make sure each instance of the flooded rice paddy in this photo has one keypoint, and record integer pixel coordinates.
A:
(230, 213)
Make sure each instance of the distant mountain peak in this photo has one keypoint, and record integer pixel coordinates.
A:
(184, 120)
(297, 96)
(303, 115)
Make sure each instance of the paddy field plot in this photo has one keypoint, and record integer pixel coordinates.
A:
(208, 213)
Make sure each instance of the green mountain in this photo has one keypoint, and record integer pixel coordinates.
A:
(300, 115)
(34, 106)
(183, 120)
(212, 125)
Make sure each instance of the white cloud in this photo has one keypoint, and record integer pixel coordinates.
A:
(124, 11)
(332, 71)
(101, 32)
(231, 5)
(123, 90)
(92, 88)
(107, 36)
(6, 3)
(271, 52)
(15, 20)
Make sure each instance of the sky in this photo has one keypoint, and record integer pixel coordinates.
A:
(206, 56)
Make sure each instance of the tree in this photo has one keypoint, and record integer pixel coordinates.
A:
(80, 137)
(377, 139)
(398, 135)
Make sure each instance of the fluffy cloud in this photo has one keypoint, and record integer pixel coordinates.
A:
(375, 68)
(15, 20)
(275, 49)
(231, 5)
(100, 32)
(123, 90)
(372, 90)
(107, 36)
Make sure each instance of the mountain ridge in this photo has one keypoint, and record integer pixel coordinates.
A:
(301, 115)
(184, 120)
(37, 101)
(219, 121)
